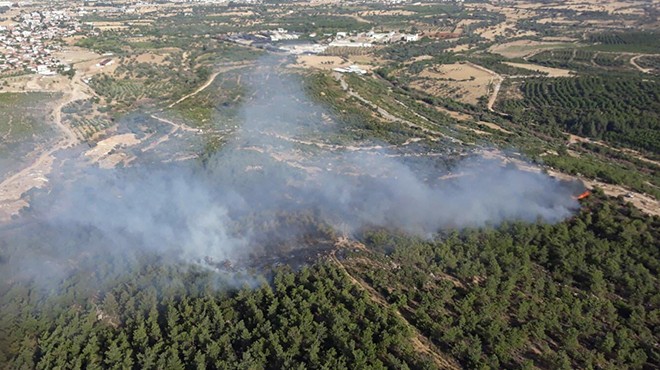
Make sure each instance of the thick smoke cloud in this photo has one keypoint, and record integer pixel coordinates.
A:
(220, 211)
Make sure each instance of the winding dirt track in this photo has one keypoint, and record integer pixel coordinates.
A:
(433, 134)
(34, 175)
(208, 82)
(199, 89)
(633, 61)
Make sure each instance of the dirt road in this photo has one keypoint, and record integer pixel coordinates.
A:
(433, 134)
(420, 343)
(210, 80)
(199, 89)
(35, 174)
(643, 202)
(497, 80)
(633, 61)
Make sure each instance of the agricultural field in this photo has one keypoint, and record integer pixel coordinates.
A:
(460, 81)
(524, 48)
(158, 78)
(636, 42)
(617, 110)
(24, 126)
(584, 60)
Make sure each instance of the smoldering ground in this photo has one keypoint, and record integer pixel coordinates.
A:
(265, 190)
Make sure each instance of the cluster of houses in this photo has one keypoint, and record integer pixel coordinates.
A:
(371, 38)
(29, 44)
(261, 38)
(281, 40)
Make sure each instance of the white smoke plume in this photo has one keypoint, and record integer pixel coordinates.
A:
(227, 209)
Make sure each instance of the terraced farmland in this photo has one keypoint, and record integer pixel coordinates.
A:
(623, 111)
(641, 42)
(582, 59)
(85, 128)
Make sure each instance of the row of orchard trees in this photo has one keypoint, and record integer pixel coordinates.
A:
(624, 111)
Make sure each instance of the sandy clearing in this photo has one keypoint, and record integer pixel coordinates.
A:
(112, 27)
(494, 127)
(367, 61)
(461, 81)
(321, 62)
(504, 29)
(101, 153)
(558, 21)
(476, 131)
(456, 71)
(245, 13)
(417, 59)
(466, 117)
(461, 48)
(494, 84)
(114, 159)
(151, 58)
(552, 72)
(74, 54)
(512, 14)
(326, 62)
(35, 174)
(466, 22)
(13, 188)
(453, 114)
(175, 128)
(611, 7)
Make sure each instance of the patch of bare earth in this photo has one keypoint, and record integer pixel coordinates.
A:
(105, 152)
(551, 72)
(321, 62)
(464, 82)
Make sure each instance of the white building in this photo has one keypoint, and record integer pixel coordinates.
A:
(351, 69)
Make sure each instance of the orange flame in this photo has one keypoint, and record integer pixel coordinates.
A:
(583, 195)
